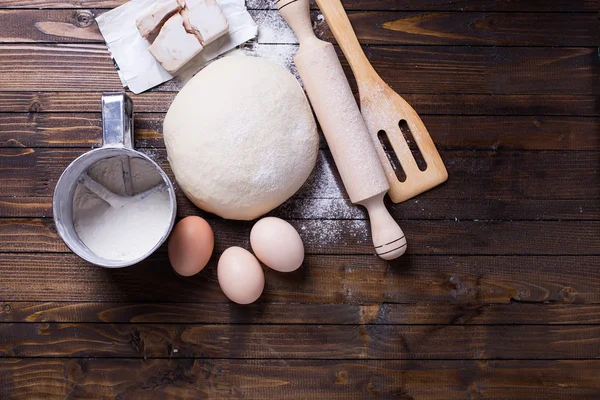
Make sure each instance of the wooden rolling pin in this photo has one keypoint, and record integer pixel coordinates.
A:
(344, 128)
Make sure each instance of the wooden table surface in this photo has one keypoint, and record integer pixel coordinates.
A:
(498, 296)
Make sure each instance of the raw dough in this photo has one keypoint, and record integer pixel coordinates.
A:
(241, 137)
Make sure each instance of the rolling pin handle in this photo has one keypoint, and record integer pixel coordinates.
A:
(297, 14)
(388, 238)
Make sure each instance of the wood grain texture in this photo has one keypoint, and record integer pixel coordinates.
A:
(353, 236)
(448, 132)
(424, 69)
(290, 313)
(435, 5)
(450, 5)
(386, 342)
(323, 279)
(422, 28)
(475, 28)
(449, 28)
(425, 104)
(27, 379)
(49, 26)
(420, 209)
(478, 175)
(504, 257)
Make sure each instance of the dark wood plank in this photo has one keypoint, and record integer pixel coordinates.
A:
(501, 29)
(478, 175)
(420, 208)
(62, 26)
(448, 132)
(413, 69)
(435, 5)
(57, 67)
(389, 342)
(449, 28)
(353, 236)
(422, 28)
(438, 104)
(27, 379)
(292, 313)
(449, 5)
(322, 279)
(91, 102)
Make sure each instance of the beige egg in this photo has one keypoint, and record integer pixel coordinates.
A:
(190, 246)
(277, 244)
(240, 275)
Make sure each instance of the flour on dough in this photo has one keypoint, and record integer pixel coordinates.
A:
(241, 137)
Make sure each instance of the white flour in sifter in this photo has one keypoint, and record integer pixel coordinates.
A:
(128, 231)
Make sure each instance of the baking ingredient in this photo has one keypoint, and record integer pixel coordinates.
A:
(241, 137)
(174, 46)
(138, 69)
(191, 245)
(131, 230)
(193, 25)
(204, 19)
(277, 244)
(240, 275)
(156, 17)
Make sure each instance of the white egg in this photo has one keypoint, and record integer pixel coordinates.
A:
(240, 275)
(277, 244)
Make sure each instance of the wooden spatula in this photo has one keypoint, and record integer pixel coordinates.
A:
(387, 114)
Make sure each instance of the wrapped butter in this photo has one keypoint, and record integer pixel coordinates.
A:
(197, 23)
(137, 67)
(151, 22)
(174, 46)
(205, 19)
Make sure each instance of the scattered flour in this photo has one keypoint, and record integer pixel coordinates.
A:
(276, 41)
(325, 233)
(128, 232)
(272, 29)
(282, 54)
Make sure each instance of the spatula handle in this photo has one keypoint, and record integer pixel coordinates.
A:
(340, 25)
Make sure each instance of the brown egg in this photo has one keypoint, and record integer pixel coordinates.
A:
(190, 246)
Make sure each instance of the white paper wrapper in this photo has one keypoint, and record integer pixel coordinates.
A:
(138, 69)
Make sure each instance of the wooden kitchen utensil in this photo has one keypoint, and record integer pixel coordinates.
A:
(344, 128)
(387, 113)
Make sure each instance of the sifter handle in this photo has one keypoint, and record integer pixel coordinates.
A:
(117, 120)
(117, 129)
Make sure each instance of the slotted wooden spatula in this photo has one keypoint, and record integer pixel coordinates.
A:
(387, 114)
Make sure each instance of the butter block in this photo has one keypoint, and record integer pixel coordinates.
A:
(156, 17)
(192, 25)
(174, 46)
(206, 20)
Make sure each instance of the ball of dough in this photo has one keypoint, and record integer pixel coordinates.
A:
(241, 137)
